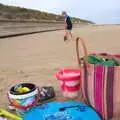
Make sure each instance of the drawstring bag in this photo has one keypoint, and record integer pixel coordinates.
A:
(100, 82)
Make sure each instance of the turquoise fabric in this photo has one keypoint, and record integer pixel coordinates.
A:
(62, 111)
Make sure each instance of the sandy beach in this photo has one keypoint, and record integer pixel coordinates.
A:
(36, 58)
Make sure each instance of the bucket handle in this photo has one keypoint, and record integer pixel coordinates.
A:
(28, 106)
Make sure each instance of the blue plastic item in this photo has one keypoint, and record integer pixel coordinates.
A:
(62, 111)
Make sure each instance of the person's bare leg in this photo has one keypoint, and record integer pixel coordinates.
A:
(66, 35)
(70, 33)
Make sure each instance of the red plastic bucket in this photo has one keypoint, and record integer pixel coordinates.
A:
(69, 82)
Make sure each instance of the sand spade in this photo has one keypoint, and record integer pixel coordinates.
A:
(9, 115)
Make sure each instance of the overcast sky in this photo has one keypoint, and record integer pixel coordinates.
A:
(99, 11)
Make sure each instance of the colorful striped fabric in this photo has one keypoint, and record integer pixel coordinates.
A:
(100, 86)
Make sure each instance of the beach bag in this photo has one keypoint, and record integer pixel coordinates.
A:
(100, 84)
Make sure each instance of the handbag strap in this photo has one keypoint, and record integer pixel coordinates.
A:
(81, 40)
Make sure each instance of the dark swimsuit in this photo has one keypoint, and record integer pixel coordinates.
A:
(69, 23)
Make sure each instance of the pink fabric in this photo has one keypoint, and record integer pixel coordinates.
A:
(91, 84)
(99, 88)
(118, 56)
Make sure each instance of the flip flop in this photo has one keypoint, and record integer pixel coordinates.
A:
(46, 94)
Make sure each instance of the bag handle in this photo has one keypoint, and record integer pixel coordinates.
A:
(81, 40)
(28, 106)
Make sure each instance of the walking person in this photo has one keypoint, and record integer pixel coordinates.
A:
(68, 25)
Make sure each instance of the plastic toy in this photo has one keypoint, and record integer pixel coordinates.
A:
(9, 115)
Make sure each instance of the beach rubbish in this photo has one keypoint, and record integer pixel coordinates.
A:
(100, 83)
(62, 111)
(7, 114)
(69, 82)
(23, 100)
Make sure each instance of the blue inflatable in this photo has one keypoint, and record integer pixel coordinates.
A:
(62, 111)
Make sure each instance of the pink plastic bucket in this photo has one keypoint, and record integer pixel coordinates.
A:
(69, 82)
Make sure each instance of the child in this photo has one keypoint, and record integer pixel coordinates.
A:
(68, 25)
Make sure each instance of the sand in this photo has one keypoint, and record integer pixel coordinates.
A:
(36, 58)
(7, 28)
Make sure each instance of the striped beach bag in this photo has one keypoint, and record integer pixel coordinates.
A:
(100, 85)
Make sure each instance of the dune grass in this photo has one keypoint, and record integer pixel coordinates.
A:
(12, 12)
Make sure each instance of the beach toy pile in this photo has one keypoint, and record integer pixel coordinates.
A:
(24, 96)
